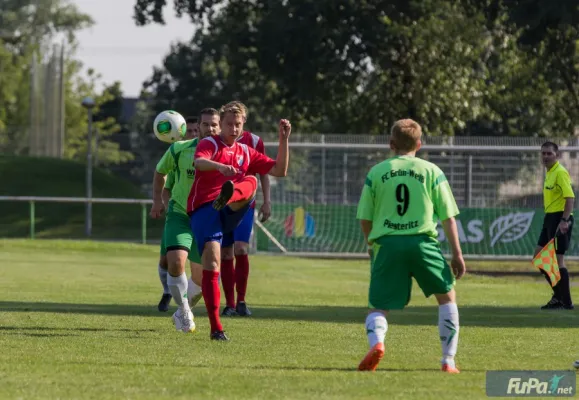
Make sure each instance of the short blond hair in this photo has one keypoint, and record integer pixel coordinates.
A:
(406, 134)
(230, 109)
(237, 104)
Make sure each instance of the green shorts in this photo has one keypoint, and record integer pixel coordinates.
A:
(396, 259)
(177, 235)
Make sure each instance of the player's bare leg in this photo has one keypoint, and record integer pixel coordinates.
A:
(376, 328)
(177, 281)
(211, 259)
(241, 250)
(448, 329)
(194, 284)
(163, 305)
(228, 280)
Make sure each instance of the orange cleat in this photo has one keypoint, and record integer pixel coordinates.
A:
(448, 369)
(372, 359)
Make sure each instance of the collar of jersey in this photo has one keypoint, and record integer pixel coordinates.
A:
(553, 167)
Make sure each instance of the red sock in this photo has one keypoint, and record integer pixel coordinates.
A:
(212, 297)
(241, 275)
(244, 189)
(228, 282)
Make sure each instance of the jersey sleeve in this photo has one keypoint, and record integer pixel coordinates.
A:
(442, 198)
(564, 181)
(167, 163)
(259, 163)
(205, 149)
(170, 180)
(366, 203)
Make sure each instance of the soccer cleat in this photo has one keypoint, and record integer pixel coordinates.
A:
(449, 369)
(229, 312)
(184, 321)
(568, 306)
(242, 309)
(553, 304)
(164, 303)
(219, 336)
(372, 358)
(226, 192)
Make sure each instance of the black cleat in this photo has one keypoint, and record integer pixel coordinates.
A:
(228, 312)
(553, 304)
(164, 303)
(226, 192)
(242, 309)
(219, 335)
(568, 306)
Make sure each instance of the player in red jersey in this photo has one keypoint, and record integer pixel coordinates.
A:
(235, 245)
(223, 189)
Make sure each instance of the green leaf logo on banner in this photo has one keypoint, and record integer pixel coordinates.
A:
(510, 227)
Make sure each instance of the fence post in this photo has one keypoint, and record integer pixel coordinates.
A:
(32, 219)
(144, 223)
(323, 197)
(468, 185)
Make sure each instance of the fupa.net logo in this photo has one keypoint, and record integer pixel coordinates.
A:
(535, 386)
(531, 383)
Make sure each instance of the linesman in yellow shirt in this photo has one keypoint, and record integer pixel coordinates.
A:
(558, 200)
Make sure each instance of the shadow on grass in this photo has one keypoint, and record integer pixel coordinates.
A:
(483, 316)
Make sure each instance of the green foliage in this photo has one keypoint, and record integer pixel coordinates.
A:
(487, 67)
(28, 29)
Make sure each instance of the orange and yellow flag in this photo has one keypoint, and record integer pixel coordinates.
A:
(547, 261)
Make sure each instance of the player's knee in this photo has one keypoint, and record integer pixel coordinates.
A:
(445, 298)
(163, 262)
(241, 248)
(227, 253)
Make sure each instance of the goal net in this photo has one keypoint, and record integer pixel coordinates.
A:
(497, 183)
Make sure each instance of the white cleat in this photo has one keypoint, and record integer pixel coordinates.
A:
(183, 321)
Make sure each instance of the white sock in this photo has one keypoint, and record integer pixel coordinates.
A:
(193, 292)
(376, 327)
(178, 288)
(163, 278)
(448, 328)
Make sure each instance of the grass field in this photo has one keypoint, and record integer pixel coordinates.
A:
(79, 320)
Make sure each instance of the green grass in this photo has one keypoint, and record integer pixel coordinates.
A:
(79, 320)
(49, 177)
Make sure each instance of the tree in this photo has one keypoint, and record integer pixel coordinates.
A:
(28, 29)
(458, 67)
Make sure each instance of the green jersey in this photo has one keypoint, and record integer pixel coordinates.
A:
(405, 195)
(170, 181)
(179, 160)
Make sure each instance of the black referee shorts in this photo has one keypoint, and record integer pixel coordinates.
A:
(550, 225)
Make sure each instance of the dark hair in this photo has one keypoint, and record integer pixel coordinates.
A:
(552, 145)
(191, 120)
(209, 111)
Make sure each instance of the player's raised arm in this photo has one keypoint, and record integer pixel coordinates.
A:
(282, 160)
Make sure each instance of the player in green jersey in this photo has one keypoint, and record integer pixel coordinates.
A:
(177, 237)
(163, 306)
(402, 200)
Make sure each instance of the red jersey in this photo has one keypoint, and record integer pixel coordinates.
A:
(207, 184)
(252, 141)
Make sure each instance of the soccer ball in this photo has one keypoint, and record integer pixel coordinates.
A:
(170, 126)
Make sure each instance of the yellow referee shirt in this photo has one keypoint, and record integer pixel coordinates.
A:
(556, 189)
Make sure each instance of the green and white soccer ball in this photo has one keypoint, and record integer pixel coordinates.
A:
(170, 126)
